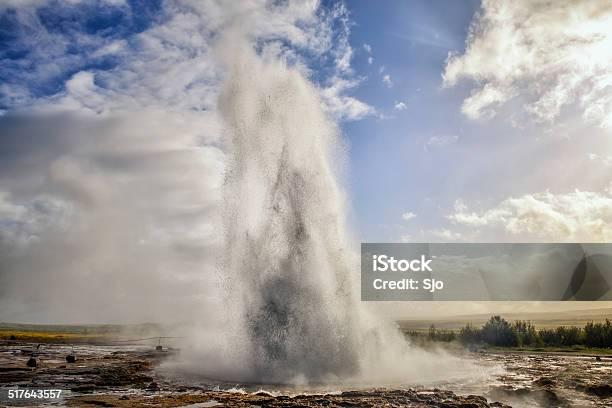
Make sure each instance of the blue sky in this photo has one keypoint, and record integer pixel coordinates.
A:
(388, 154)
(465, 121)
(85, 25)
(393, 170)
(413, 149)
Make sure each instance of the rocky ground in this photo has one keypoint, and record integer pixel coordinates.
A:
(552, 380)
(371, 398)
(113, 376)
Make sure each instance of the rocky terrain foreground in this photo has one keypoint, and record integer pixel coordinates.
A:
(107, 377)
(373, 398)
(125, 376)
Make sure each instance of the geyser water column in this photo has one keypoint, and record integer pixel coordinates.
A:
(285, 257)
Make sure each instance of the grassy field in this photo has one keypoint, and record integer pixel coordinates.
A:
(71, 334)
(575, 350)
(52, 337)
(545, 320)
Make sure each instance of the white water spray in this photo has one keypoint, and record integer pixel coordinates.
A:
(285, 248)
(292, 314)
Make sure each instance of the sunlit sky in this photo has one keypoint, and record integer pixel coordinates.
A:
(464, 121)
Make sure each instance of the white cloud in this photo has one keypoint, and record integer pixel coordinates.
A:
(553, 54)
(188, 75)
(343, 59)
(442, 140)
(23, 222)
(483, 102)
(127, 161)
(368, 50)
(406, 238)
(124, 204)
(342, 50)
(580, 216)
(342, 106)
(445, 234)
(387, 80)
(601, 159)
(400, 106)
(407, 216)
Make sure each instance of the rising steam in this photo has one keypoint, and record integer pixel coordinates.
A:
(292, 315)
(285, 251)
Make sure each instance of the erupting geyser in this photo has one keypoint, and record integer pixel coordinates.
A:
(285, 257)
(288, 274)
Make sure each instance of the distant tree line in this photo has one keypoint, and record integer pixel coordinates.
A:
(499, 332)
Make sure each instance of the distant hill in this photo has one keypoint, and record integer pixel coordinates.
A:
(539, 319)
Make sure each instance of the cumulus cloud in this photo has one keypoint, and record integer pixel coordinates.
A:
(482, 103)
(445, 234)
(23, 222)
(184, 32)
(578, 216)
(387, 80)
(601, 159)
(442, 140)
(111, 154)
(341, 105)
(407, 216)
(336, 92)
(343, 52)
(399, 106)
(553, 54)
(368, 50)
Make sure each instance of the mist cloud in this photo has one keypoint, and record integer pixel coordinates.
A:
(106, 218)
(111, 155)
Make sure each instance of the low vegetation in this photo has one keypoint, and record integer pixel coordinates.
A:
(73, 334)
(498, 332)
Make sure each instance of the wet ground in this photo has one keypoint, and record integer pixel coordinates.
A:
(126, 376)
(551, 380)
